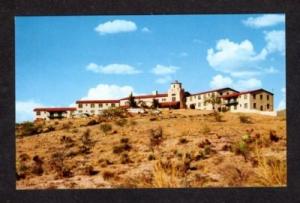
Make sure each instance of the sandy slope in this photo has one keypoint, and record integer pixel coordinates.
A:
(175, 162)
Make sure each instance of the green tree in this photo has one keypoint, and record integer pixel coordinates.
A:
(213, 100)
(132, 102)
(155, 103)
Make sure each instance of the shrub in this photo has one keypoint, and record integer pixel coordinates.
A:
(156, 136)
(183, 141)
(244, 119)
(105, 127)
(66, 126)
(132, 122)
(114, 113)
(241, 147)
(28, 128)
(89, 170)
(125, 159)
(124, 140)
(107, 175)
(151, 157)
(92, 122)
(121, 148)
(121, 122)
(86, 137)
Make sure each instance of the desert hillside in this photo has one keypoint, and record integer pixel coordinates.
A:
(176, 148)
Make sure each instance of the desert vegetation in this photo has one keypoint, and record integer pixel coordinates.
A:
(176, 148)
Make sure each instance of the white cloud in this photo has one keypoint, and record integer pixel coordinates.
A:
(24, 110)
(112, 69)
(164, 70)
(145, 29)
(164, 79)
(106, 91)
(275, 41)
(116, 26)
(220, 81)
(264, 20)
(237, 59)
(248, 84)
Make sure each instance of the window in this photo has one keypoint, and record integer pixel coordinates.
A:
(80, 111)
(92, 111)
(173, 94)
(261, 108)
(268, 106)
(267, 97)
(254, 105)
(227, 93)
(261, 97)
(100, 105)
(245, 96)
(173, 98)
(92, 105)
(221, 93)
(79, 105)
(199, 97)
(164, 99)
(199, 104)
(235, 107)
(113, 105)
(254, 96)
(213, 94)
(38, 113)
(245, 105)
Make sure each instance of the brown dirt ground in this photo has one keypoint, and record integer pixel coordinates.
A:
(175, 162)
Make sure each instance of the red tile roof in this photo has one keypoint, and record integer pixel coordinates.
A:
(147, 96)
(96, 101)
(214, 90)
(255, 91)
(55, 109)
(246, 92)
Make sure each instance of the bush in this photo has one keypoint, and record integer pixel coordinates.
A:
(92, 122)
(244, 119)
(183, 141)
(241, 147)
(121, 122)
(156, 136)
(107, 175)
(86, 137)
(121, 148)
(124, 140)
(114, 113)
(29, 128)
(105, 127)
(151, 157)
(125, 159)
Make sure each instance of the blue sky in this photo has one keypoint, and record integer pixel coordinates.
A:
(63, 59)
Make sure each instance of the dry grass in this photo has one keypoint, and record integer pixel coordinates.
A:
(180, 148)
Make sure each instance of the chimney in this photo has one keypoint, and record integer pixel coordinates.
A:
(155, 92)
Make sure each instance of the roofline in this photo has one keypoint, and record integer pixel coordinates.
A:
(147, 96)
(256, 90)
(214, 90)
(55, 109)
(96, 101)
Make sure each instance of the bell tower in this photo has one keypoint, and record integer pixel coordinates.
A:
(176, 93)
